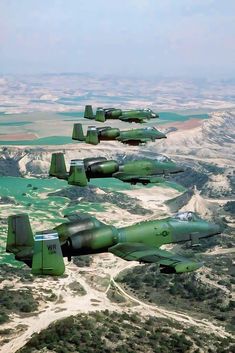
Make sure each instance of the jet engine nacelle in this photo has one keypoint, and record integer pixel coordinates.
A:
(89, 161)
(103, 168)
(65, 230)
(110, 133)
(93, 239)
(114, 113)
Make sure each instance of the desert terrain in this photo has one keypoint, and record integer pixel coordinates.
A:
(203, 144)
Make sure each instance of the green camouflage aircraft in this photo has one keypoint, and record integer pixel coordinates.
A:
(130, 137)
(83, 234)
(143, 171)
(131, 116)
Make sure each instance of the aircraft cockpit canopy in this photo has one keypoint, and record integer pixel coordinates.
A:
(186, 216)
(163, 159)
(150, 128)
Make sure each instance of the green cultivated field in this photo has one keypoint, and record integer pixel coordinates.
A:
(166, 117)
(50, 140)
(30, 196)
(61, 121)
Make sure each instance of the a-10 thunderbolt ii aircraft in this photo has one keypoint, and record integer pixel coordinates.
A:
(131, 116)
(83, 234)
(142, 171)
(107, 133)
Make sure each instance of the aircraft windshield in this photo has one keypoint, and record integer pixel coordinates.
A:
(186, 216)
(163, 159)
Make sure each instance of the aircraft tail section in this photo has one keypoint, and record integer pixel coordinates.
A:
(58, 167)
(78, 133)
(100, 115)
(92, 135)
(77, 173)
(20, 236)
(88, 113)
(47, 254)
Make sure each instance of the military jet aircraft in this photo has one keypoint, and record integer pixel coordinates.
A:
(131, 116)
(83, 234)
(143, 171)
(130, 137)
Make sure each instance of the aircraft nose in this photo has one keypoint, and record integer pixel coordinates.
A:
(215, 228)
(178, 169)
(161, 135)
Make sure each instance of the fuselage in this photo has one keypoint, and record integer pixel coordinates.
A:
(137, 115)
(136, 168)
(134, 136)
(148, 134)
(145, 167)
(88, 238)
(139, 171)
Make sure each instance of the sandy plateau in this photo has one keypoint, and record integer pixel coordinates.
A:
(192, 143)
(104, 269)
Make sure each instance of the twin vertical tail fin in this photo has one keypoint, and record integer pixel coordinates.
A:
(77, 174)
(100, 115)
(78, 133)
(92, 135)
(42, 252)
(20, 237)
(58, 167)
(47, 254)
(88, 113)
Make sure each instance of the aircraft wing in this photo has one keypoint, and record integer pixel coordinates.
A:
(77, 216)
(139, 140)
(169, 262)
(138, 178)
(136, 119)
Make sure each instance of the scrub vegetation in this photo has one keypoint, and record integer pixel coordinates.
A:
(104, 332)
(16, 301)
(187, 291)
